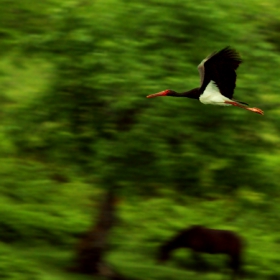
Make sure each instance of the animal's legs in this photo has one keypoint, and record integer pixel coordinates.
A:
(255, 110)
(199, 263)
(235, 265)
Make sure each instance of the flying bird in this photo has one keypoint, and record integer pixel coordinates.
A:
(217, 81)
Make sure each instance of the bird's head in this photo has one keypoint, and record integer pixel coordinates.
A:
(167, 92)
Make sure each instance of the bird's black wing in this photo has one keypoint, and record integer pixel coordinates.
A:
(220, 67)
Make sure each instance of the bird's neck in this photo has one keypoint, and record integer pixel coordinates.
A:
(194, 93)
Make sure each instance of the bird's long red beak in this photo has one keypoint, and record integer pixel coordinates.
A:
(162, 93)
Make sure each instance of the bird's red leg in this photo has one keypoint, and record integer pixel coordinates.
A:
(255, 110)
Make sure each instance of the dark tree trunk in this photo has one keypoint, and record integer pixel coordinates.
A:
(93, 244)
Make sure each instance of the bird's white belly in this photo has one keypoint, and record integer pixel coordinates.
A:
(212, 96)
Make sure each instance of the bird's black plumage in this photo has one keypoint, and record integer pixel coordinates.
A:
(220, 68)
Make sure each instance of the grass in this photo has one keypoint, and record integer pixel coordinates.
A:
(153, 221)
(39, 218)
(42, 246)
(143, 226)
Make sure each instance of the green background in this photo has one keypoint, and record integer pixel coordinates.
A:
(74, 121)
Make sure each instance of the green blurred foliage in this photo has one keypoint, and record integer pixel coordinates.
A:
(94, 113)
(74, 120)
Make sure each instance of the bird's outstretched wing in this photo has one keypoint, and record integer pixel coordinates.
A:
(220, 67)
(200, 68)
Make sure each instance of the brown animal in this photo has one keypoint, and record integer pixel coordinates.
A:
(205, 240)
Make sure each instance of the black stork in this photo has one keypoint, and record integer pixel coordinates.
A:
(217, 81)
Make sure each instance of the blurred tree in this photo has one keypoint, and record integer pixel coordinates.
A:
(95, 114)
